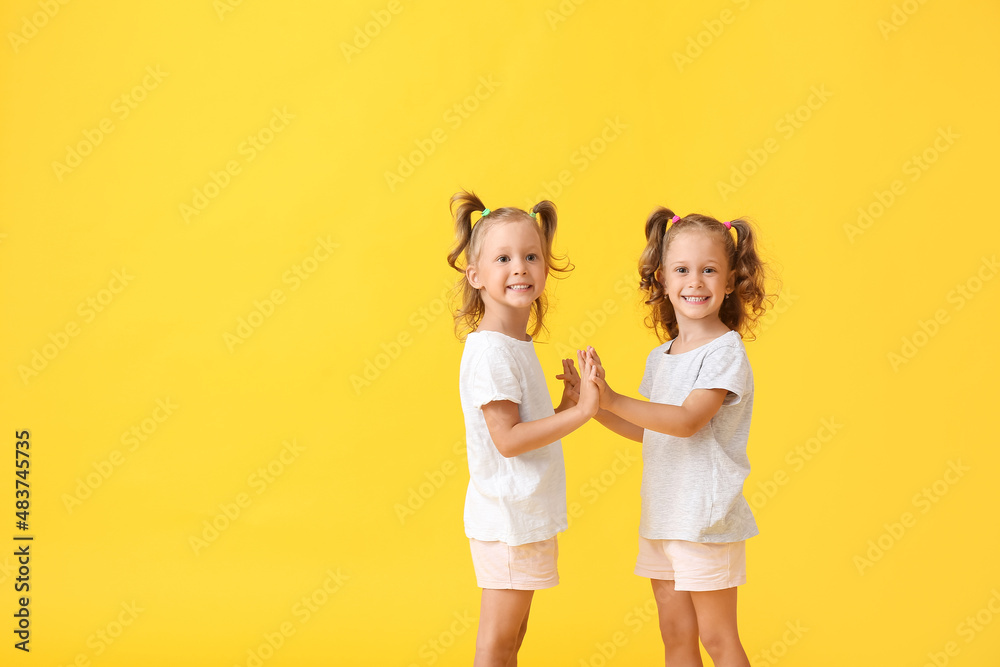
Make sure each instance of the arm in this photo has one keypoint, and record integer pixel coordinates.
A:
(682, 421)
(513, 437)
(622, 427)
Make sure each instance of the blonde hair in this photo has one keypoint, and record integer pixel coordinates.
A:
(469, 242)
(748, 301)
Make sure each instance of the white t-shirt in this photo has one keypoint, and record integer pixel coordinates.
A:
(692, 488)
(515, 500)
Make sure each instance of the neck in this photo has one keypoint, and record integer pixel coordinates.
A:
(513, 323)
(696, 331)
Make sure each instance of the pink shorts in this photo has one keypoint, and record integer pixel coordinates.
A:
(526, 567)
(693, 566)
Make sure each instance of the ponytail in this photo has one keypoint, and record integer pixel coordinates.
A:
(661, 317)
(468, 203)
(749, 300)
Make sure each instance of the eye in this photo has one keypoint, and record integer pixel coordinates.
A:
(531, 257)
(709, 270)
(680, 269)
(503, 259)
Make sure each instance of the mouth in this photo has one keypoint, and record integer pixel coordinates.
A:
(694, 299)
(520, 287)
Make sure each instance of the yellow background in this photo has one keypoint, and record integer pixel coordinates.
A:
(609, 110)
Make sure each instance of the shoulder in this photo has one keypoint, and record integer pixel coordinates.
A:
(489, 348)
(724, 356)
(657, 353)
(728, 344)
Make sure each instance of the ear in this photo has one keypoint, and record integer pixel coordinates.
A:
(731, 283)
(473, 277)
(658, 274)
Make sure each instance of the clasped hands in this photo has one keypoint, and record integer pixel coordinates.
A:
(588, 387)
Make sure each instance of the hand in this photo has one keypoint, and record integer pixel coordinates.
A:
(589, 400)
(571, 384)
(606, 393)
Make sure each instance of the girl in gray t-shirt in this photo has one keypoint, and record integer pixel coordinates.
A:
(705, 284)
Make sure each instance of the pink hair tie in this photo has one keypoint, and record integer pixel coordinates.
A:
(732, 231)
(675, 219)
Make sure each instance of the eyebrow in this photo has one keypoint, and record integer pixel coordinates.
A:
(710, 262)
(508, 249)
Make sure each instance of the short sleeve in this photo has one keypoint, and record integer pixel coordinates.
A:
(646, 386)
(726, 368)
(495, 377)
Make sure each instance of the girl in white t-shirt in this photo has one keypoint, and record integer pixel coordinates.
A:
(705, 284)
(516, 501)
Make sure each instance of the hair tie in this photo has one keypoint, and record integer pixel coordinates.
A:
(735, 234)
(675, 219)
(532, 214)
(485, 212)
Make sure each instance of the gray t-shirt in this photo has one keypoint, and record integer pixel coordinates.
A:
(692, 488)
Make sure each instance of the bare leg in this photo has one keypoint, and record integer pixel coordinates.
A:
(678, 625)
(503, 618)
(520, 639)
(716, 612)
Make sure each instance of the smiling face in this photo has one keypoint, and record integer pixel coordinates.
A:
(697, 277)
(510, 271)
